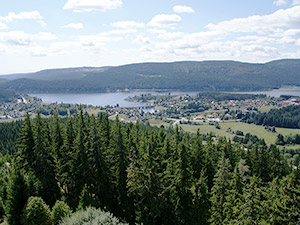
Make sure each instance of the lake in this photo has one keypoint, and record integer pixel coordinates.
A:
(103, 99)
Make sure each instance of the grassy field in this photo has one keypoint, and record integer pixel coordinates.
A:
(257, 130)
(158, 123)
(11, 120)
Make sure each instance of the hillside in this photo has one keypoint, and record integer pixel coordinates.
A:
(191, 76)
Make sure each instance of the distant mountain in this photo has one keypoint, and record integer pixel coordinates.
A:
(56, 74)
(186, 76)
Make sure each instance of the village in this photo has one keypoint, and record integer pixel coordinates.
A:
(171, 109)
(186, 109)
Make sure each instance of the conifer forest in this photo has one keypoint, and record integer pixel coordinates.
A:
(140, 174)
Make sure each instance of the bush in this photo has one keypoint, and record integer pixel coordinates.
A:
(36, 212)
(91, 216)
(59, 211)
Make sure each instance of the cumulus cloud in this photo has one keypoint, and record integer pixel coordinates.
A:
(296, 2)
(165, 20)
(92, 5)
(20, 38)
(16, 38)
(292, 32)
(127, 24)
(73, 25)
(264, 24)
(33, 15)
(184, 9)
(44, 36)
(122, 31)
(280, 2)
(97, 40)
(2, 26)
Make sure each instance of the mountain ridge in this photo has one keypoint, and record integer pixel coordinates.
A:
(219, 75)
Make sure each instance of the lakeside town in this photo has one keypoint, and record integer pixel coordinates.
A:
(173, 109)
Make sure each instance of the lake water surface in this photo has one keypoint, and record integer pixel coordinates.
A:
(103, 99)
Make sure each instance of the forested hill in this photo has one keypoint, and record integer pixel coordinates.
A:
(189, 76)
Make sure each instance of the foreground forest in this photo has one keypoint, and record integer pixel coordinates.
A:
(143, 174)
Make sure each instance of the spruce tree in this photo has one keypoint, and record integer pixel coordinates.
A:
(201, 202)
(26, 144)
(182, 195)
(16, 197)
(120, 164)
(252, 210)
(44, 166)
(219, 190)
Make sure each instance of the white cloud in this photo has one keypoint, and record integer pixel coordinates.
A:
(44, 36)
(264, 24)
(2, 26)
(292, 32)
(97, 40)
(42, 23)
(92, 5)
(165, 20)
(123, 31)
(280, 2)
(184, 9)
(34, 15)
(296, 2)
(73, 25)
(16, 38)
(20, 38)
(127, 24)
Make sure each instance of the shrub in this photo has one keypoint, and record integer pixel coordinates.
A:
(59, 211)
(36, 212)
(91, 216)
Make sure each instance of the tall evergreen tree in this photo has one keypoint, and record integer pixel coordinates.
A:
(252, 210)
(44, 167)
(182, 195)
(80, 171)
(201, 202)
(16, 197)
(219, 190)
(120, 164)
(26, 144)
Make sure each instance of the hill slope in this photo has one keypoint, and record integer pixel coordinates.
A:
(197, 76)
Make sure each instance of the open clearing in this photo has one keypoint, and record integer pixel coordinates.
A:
(253, 129)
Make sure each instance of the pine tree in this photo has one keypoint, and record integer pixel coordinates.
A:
(234, 199)
(59, 211)
(26, 144)
(201, 202)
(36, 212)
(101, 173)
(16, 197)
(219, 191)
(44, 167)
(150, 185)
(252, 210)
(120, 164)
(79, 169)
(66, 165)
(182, 195)
(57, 142)
(198, 156)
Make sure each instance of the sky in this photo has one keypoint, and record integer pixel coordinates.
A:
(45, 34)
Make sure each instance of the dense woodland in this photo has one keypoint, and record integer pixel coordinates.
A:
(188, 76)
(7, 95)
(143, 174)
(288, 117)
(217, 96)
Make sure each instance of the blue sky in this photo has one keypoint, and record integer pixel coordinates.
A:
(37, 34)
